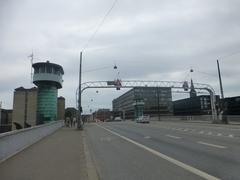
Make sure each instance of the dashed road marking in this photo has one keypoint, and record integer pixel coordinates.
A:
(163, 156)
(174, 137)
(212, 145)
(147, 137)
(210, 133)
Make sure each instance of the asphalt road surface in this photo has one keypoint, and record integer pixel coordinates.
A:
(164, 150)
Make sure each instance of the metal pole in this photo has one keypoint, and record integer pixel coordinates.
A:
(220, 80)
(0, 113)
(79, 124)
(213, 105)
(158, 103)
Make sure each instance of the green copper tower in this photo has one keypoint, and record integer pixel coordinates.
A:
(48, 78)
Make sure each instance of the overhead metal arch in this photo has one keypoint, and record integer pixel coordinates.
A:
(141, 83)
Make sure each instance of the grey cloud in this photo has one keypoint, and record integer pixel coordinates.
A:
(146, 39)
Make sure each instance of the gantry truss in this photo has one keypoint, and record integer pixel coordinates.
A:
(141, 83)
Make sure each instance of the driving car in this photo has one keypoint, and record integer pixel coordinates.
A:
(143, 119)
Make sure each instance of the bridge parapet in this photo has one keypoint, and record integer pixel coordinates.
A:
(15, 141)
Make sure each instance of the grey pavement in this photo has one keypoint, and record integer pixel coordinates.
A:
(59, 156)
(115, 158)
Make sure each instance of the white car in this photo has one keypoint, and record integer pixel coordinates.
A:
(117, 119)
(143, 119)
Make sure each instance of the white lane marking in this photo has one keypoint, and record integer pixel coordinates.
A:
(147, 137)
(201, 132)
(163, 156)
(185, 130)
(230, 135)
(209, 133)
(171, 136)
(219, 134)
(212, 145)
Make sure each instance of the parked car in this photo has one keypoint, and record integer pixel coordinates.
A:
(143, 119)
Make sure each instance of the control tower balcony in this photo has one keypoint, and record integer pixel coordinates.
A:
(48, 73)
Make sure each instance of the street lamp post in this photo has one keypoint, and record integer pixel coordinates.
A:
(79, 122)
(0, 113)
(158, 104)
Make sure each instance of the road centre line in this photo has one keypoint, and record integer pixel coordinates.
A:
(212, 145)
(165, 157)
(174, 137)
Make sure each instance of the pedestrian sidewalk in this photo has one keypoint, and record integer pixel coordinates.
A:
(59, 156)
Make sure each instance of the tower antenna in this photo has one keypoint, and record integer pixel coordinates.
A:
(31, 60)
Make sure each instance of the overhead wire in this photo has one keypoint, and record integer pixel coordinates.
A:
(99, 25)
(231, 54)
(97, 69)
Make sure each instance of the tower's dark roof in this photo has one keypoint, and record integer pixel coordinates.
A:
(39, 64)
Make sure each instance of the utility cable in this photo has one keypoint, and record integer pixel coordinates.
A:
(97, 69)
(231, 54)
(99, 26)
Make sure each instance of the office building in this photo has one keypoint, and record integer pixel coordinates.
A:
(153, 101)
(232, 105)
(196, 105)
(102, 115)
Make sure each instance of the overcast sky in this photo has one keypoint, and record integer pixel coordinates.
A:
(146, 39)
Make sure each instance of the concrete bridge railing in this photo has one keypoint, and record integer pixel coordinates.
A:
(15, 141)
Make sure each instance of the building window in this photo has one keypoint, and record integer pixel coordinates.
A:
(42, 69)
(36, 70)
(49, 69)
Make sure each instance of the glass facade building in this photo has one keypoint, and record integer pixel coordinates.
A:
(157, 100)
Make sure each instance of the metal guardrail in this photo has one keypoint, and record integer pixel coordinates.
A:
(15, 141)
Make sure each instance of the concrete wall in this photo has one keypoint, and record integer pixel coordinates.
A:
(15, 141)
(61, 108)
(18, 108)
(32, 108)
(25, 106)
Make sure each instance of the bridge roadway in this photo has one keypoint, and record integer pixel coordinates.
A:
(164, 150)
(131, 151)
